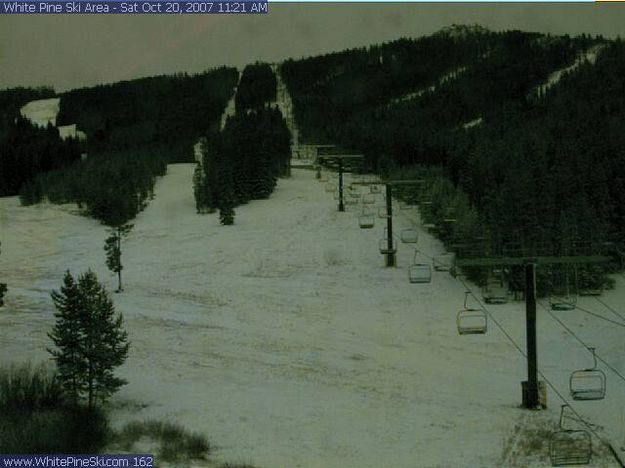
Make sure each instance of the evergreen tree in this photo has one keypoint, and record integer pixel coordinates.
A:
(66, 337)
(89, 338)
(113, 249)
(226, 207)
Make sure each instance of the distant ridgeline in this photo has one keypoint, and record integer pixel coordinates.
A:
(244, 160)
(134, 128)
(542, 161)
(25, 149)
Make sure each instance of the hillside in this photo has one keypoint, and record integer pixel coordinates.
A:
(286, 340)
(282, 336)
(528, 126)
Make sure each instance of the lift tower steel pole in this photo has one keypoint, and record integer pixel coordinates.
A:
(391, 259)
(341, 204)
(391, 252)
(342, 163)
(532, 400)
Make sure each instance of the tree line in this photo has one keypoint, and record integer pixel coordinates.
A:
(25, 149)
(243, 162)
(111, 187)
(167, 113)
(134, 129)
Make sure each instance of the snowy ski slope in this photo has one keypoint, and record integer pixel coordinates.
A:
(285, 339)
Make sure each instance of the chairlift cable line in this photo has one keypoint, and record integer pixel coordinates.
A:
(599, 316)
(574, 335)
(611, 309)
(587, 424)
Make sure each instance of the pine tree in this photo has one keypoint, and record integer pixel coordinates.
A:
(66, 337)
(226, 208)
(113, 249)
(89, 338)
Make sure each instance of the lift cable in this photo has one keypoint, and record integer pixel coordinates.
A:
(611, 309)
(587, 424)
(574, 335)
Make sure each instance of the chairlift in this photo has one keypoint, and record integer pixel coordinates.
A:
(564, 299)
(351, 200)
(471, 321)
(495, 291)
(587, 284)
(588, 384)
(409, 236)
(419, 272)
(569, 446)
(366, 221)
(368, 199)
(444, 261)
(384, 247)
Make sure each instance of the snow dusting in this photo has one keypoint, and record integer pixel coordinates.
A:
(286, 340)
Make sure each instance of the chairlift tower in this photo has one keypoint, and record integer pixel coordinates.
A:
(391, 251)
(341, 163)
(530, 388)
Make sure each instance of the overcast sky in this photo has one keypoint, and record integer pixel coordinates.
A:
(73, 51)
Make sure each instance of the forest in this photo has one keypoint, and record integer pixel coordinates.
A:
(164, 112)
(134, 130)
(26, 150)
(243, 161)
(540, 168)
(257, 87)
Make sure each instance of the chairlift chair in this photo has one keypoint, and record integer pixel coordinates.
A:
(351, 200)
(588, 384)
(384, 247)
(569, 446)
(471, 321)
(409, 236)
(444, 261)
(366, 221)
(495, 291)
(368, 199)
(567, 300)
(429, 226)
(419, 272)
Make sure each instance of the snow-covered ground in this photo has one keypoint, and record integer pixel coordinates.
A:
(452, 75)
(230, 109)
(286, 340)
(42, 111)
(45, 111)
(589, 56)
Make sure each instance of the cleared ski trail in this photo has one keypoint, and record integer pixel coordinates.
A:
(285, 339)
